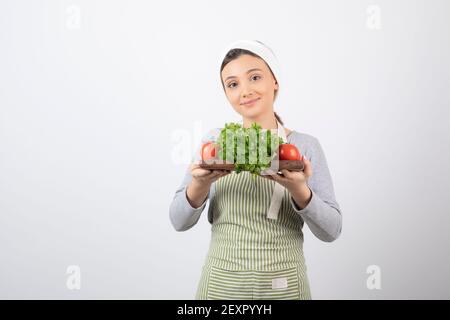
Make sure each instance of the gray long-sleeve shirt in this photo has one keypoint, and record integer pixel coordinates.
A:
(322, 214)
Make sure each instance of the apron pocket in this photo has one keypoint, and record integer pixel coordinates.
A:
(280, 284)
(230, 285)
(253, 285)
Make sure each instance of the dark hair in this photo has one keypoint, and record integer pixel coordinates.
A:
(236, 53)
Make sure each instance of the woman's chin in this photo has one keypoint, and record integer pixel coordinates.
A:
(250, 112)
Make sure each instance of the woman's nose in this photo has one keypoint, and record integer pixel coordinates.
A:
(246, 91)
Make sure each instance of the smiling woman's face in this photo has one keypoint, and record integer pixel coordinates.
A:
(249, 79)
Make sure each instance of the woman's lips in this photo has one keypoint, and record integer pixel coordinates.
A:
(249, 103)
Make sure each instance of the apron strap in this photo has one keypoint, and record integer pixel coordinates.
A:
(278, 190)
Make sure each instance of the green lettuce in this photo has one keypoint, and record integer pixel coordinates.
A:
(250, 149)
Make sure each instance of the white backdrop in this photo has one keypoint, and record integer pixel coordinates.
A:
(95, 94)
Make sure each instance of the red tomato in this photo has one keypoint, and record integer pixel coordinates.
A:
(288, 151)
(208, 151)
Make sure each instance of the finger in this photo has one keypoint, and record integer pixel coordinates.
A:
(220, 174)
(307, 170)
(210, 175)
(200, 172)
(277, 176)
(280, 178)
(194, 166)
(286, 173)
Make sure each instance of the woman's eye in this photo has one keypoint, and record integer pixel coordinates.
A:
(233, 84)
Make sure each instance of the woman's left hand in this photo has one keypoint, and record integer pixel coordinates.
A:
(293, 180)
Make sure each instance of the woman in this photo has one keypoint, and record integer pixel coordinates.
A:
(256, 235)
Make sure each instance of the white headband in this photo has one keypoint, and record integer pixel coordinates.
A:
(261, 50)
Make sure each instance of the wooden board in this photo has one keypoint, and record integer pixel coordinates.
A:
(291, 165)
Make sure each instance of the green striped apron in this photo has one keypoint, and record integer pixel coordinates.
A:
(251, 256)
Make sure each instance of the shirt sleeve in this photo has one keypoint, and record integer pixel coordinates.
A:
(182, 215)
(322, 214)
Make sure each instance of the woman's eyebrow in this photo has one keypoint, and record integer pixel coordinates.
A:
(254, 69)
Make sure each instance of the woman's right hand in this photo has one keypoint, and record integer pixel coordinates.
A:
(206, 177)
